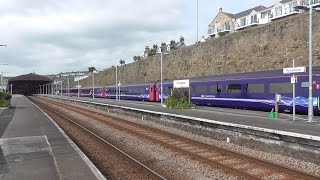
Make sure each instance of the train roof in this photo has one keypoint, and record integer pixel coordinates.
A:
(257, 74)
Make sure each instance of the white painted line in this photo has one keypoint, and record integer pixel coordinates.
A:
(291, 134)
(54, 159)
(92, 167)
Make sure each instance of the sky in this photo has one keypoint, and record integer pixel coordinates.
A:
(51, 36)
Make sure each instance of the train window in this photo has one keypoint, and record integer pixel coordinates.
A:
(201, 89)
(255, 88)
(280, 88)
(166, 90)
(234, 88)
(214, 89)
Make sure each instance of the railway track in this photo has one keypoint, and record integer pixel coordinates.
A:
(124, 166)
(232, 163)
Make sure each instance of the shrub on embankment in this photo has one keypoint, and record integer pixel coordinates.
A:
(5, 99)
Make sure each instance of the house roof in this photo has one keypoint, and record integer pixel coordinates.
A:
(30, 77)
(229, 14)
(285, 1)
(247, 12)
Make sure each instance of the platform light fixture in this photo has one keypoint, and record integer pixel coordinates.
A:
(310, 100)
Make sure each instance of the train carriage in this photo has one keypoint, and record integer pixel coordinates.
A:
(254, 91)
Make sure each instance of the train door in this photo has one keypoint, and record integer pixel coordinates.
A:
(157, 92)
(103, 93)
(79, 92)
(151, 93)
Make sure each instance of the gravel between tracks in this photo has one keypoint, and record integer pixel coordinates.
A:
(182, 166)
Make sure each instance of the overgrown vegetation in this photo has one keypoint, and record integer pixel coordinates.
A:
(222, 34)
(179, 99)
(5, 99)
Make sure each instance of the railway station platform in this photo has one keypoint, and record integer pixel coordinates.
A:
(32, 146)
(256, 120)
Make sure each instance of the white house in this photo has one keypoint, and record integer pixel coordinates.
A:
(284, 8)
(229, 23)
(250, 17)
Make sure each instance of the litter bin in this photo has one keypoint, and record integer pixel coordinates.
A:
(272, 115)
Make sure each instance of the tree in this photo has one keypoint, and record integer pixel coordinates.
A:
(122, 62)
(136, 58)
(152, 52)
(91, 69)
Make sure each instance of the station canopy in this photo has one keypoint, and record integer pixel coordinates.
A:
(28, 84)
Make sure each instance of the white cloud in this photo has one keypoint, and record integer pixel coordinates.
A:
(56, 36)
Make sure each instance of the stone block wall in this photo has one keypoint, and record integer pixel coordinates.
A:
(267, 47)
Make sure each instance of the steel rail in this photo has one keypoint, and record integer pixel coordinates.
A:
(270, 165)
(106, 142)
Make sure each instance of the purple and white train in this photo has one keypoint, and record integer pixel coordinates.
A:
(255, 91)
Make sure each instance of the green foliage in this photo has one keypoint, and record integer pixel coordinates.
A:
(122, 62)
(152, 52)
(222, 34)
(179, 99)
(5, 99)
(172, 102)
(136, 58)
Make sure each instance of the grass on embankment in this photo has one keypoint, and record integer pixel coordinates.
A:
(4, 99)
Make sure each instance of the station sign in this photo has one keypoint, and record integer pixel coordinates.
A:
(294, 70)
(78, 86)
(293, 79)
(181, 83)
(305, 84)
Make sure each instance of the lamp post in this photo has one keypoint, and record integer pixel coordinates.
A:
(93, 85)
(310, 100)
(78, 85)
(161, 74)
(197, 21)
(116, 82)
(161, 83)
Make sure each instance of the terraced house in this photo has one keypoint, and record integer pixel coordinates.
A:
(228, 23)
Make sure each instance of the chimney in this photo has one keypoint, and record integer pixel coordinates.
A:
(155, 47)
(163, 47)
(220, 10)
(172, 42)
(181, 39)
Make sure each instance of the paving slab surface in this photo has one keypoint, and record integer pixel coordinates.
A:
(33, 147)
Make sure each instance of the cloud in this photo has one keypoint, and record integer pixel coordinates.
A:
(53, 36)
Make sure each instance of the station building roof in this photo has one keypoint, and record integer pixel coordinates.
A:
(31, 77)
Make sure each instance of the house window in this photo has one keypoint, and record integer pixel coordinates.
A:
(234, 89)
(263, 15)
(243, 21)
(279, 11)
(227, 26)
(254, 19)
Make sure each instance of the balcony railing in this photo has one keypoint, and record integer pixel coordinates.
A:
(213, 30)
(315, 2)
(246, 24)
(282, 13)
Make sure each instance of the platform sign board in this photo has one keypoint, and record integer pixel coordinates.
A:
(293, 79)
(294, 70)
(181, 83)
(78, 86)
